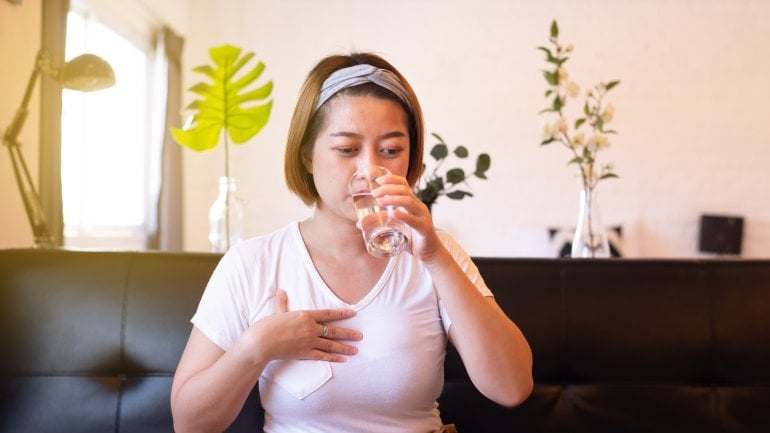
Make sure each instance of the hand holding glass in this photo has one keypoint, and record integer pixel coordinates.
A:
(384, 235)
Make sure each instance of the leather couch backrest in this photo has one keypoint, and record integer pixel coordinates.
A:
(631, 346)
(91, 339)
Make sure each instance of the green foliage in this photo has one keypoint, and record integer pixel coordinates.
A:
(224, 103)
(432, 185)
(584, 146)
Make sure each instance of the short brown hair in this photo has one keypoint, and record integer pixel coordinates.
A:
(307, 121)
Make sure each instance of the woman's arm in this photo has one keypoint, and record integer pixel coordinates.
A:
(495, 353)
(210, 384)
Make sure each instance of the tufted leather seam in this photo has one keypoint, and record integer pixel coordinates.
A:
(119, 403)
(564, 392)
(560, 265)
(123, 322)
(712, 316)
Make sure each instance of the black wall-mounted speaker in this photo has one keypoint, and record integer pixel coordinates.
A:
(721, 234)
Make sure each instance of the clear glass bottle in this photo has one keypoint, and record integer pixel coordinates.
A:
(590, 239)
(226, 217)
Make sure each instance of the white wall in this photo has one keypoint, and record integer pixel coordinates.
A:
(19, 43)
(691, 110)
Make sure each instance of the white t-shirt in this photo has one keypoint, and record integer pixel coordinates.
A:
(390, 385)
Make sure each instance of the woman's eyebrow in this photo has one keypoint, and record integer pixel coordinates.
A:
(346, 134)
(392, 134)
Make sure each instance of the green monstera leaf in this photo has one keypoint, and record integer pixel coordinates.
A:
(225, 103)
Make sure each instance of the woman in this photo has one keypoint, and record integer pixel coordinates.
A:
(336, 339)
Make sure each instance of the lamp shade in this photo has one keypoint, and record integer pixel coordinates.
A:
(85, 73)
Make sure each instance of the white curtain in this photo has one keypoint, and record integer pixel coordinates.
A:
(168, 228)
(54, 31)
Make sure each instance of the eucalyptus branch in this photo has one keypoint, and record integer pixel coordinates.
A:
(432, 184)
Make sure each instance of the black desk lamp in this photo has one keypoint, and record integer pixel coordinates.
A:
(84, 73)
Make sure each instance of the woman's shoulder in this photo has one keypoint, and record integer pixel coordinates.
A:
(451, 244)
(286, 235)
(268, 246)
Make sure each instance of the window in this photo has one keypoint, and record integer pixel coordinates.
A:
(109, 142)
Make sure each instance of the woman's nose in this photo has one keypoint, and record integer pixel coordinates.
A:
(369, 159)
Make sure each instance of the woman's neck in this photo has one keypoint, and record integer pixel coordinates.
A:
(337, 250)
(326, 231)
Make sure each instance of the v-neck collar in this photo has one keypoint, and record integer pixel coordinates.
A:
(328, 292)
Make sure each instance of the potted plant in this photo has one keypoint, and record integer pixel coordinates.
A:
(226, 110)
(583, 139)
(432, 185)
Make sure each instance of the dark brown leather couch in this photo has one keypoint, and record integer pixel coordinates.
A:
(90, 341)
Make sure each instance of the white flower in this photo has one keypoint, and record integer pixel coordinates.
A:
(547, 131)
(553, 130)
(578, 139)
(597, 142)
(583, 143)
(562, 74)
(608, 113)
(573, 89)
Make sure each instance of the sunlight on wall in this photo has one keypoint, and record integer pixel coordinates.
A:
(691, 110)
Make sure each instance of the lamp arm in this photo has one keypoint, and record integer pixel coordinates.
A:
(31, 199)
(12, 133)
(27, 189)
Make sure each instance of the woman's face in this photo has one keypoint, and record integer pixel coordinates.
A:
(359, 131)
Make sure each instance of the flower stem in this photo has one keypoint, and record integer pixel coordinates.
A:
(227, 166)
(228, 192)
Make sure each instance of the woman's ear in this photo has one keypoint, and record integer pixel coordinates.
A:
(307, 161)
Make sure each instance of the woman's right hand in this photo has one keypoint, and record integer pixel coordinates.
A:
(210, 384)
(306, 334)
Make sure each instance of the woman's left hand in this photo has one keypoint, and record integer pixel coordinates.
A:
(395, 191)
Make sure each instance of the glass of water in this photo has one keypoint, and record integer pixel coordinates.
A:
(384, 235)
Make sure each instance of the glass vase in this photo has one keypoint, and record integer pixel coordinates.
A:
(590, 240)
(226, 217)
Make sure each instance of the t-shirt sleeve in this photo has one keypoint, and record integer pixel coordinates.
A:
(465, 262)
(223, 311)
(463, 259)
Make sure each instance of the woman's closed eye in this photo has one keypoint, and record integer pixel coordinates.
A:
(391, 151)
(346, 150)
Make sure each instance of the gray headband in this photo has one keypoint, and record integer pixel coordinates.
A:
(361, 74)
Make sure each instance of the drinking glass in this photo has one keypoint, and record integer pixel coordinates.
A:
(384, 236)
